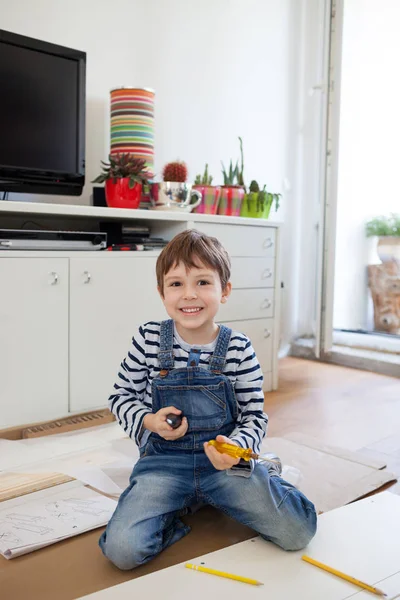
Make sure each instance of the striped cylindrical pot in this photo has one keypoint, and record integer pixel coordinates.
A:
(210, 195)
(132, 123)
(231, 201)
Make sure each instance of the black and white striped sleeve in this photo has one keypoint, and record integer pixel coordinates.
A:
(252, 421)
(128, 402)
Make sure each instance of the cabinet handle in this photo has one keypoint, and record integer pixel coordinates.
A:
(266, 303)
(268, 243)
(266, 274)
(267, 333)
(88, 277)
(54, 275)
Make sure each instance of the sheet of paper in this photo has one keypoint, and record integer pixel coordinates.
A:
(45, 517)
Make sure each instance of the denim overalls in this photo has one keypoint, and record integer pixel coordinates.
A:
(205, 396)
(172, 476)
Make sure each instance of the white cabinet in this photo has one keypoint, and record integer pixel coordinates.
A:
(66, 318)
(33, 339)
(110, 296)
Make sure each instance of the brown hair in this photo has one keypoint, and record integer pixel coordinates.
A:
(189, 246)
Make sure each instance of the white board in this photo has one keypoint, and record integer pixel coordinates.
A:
(361, 539)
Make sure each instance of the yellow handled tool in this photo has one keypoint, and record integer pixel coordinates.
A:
(237, 452)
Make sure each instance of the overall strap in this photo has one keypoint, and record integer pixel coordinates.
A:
(219, 357)
(166, 354)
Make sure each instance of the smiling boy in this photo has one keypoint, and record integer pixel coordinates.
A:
(210, 376)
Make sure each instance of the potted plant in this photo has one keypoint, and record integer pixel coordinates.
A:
(210, 193)
(257, 203)
(174, 193)
(124, 176)
(233, 190)
(387, 231)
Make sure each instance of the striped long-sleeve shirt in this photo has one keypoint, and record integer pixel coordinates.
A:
(131, 399)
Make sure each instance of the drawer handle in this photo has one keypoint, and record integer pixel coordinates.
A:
(266, 303)
(54, 275)
(266, 274)
(88, 277)
(268, 243)
(267, 333)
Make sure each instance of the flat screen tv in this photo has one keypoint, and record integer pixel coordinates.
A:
(42, 117)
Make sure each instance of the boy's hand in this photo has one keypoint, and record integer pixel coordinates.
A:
(220, 461)
(157, 423)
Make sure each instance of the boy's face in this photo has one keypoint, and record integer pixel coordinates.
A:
(192, 297)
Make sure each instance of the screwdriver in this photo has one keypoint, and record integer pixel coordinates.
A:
(237, 451)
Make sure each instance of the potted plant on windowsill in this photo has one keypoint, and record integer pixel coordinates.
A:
(233, 190)
(210, 194)
(124, 177)
(257, 203)
(387, 231)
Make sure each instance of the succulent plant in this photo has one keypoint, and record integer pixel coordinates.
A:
(175, 171)
(204, 179)
(230, 177)
(123, 165)
(235, 175)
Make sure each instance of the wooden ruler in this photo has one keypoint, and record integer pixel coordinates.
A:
(13, 485)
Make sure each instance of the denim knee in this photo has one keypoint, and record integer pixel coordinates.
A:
(125, 552)
(300, 525)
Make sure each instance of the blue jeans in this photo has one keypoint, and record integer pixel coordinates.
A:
(162, 487)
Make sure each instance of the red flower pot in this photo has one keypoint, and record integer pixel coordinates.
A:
(120, 195)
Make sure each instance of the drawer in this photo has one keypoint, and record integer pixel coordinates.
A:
(260, 333)
(248, 304)
(253, 272)
(242, 240)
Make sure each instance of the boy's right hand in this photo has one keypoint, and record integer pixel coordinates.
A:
(157, 423)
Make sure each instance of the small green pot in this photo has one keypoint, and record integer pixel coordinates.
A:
(256, 205)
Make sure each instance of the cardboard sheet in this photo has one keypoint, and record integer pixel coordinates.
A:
(331, 477)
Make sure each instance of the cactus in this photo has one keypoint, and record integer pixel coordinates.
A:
(204, 179)
(240, 173)
(175, 171)
(262, 196)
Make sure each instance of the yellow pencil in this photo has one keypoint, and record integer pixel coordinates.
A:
(361, 584)
(222, 574)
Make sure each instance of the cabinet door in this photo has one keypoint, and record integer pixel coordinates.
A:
(110, 296)
(33, 339)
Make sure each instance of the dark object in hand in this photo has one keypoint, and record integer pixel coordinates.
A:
(174, 420)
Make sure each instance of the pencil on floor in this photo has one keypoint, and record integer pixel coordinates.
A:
(361, 584)
(223, 574)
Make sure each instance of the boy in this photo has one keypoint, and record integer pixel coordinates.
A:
(191, 367)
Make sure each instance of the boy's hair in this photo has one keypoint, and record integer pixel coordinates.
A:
(192, 247)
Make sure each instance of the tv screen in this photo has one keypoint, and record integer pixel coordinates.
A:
(42, 116)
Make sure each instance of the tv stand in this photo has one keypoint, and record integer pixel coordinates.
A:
(67, 317)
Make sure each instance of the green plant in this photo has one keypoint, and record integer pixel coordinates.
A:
(175, 171)
(264, 198)
(123, 165)
(230, 177)
(235, 175)
(240, 173)
(384, 226)
(204, 179)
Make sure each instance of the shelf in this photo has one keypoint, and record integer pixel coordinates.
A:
(97, 212)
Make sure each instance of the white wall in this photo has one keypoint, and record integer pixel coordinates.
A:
(220, 68)
(369, 147)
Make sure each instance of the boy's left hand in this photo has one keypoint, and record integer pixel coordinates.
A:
(220, 461)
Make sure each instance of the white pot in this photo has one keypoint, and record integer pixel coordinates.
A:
(388, 248)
